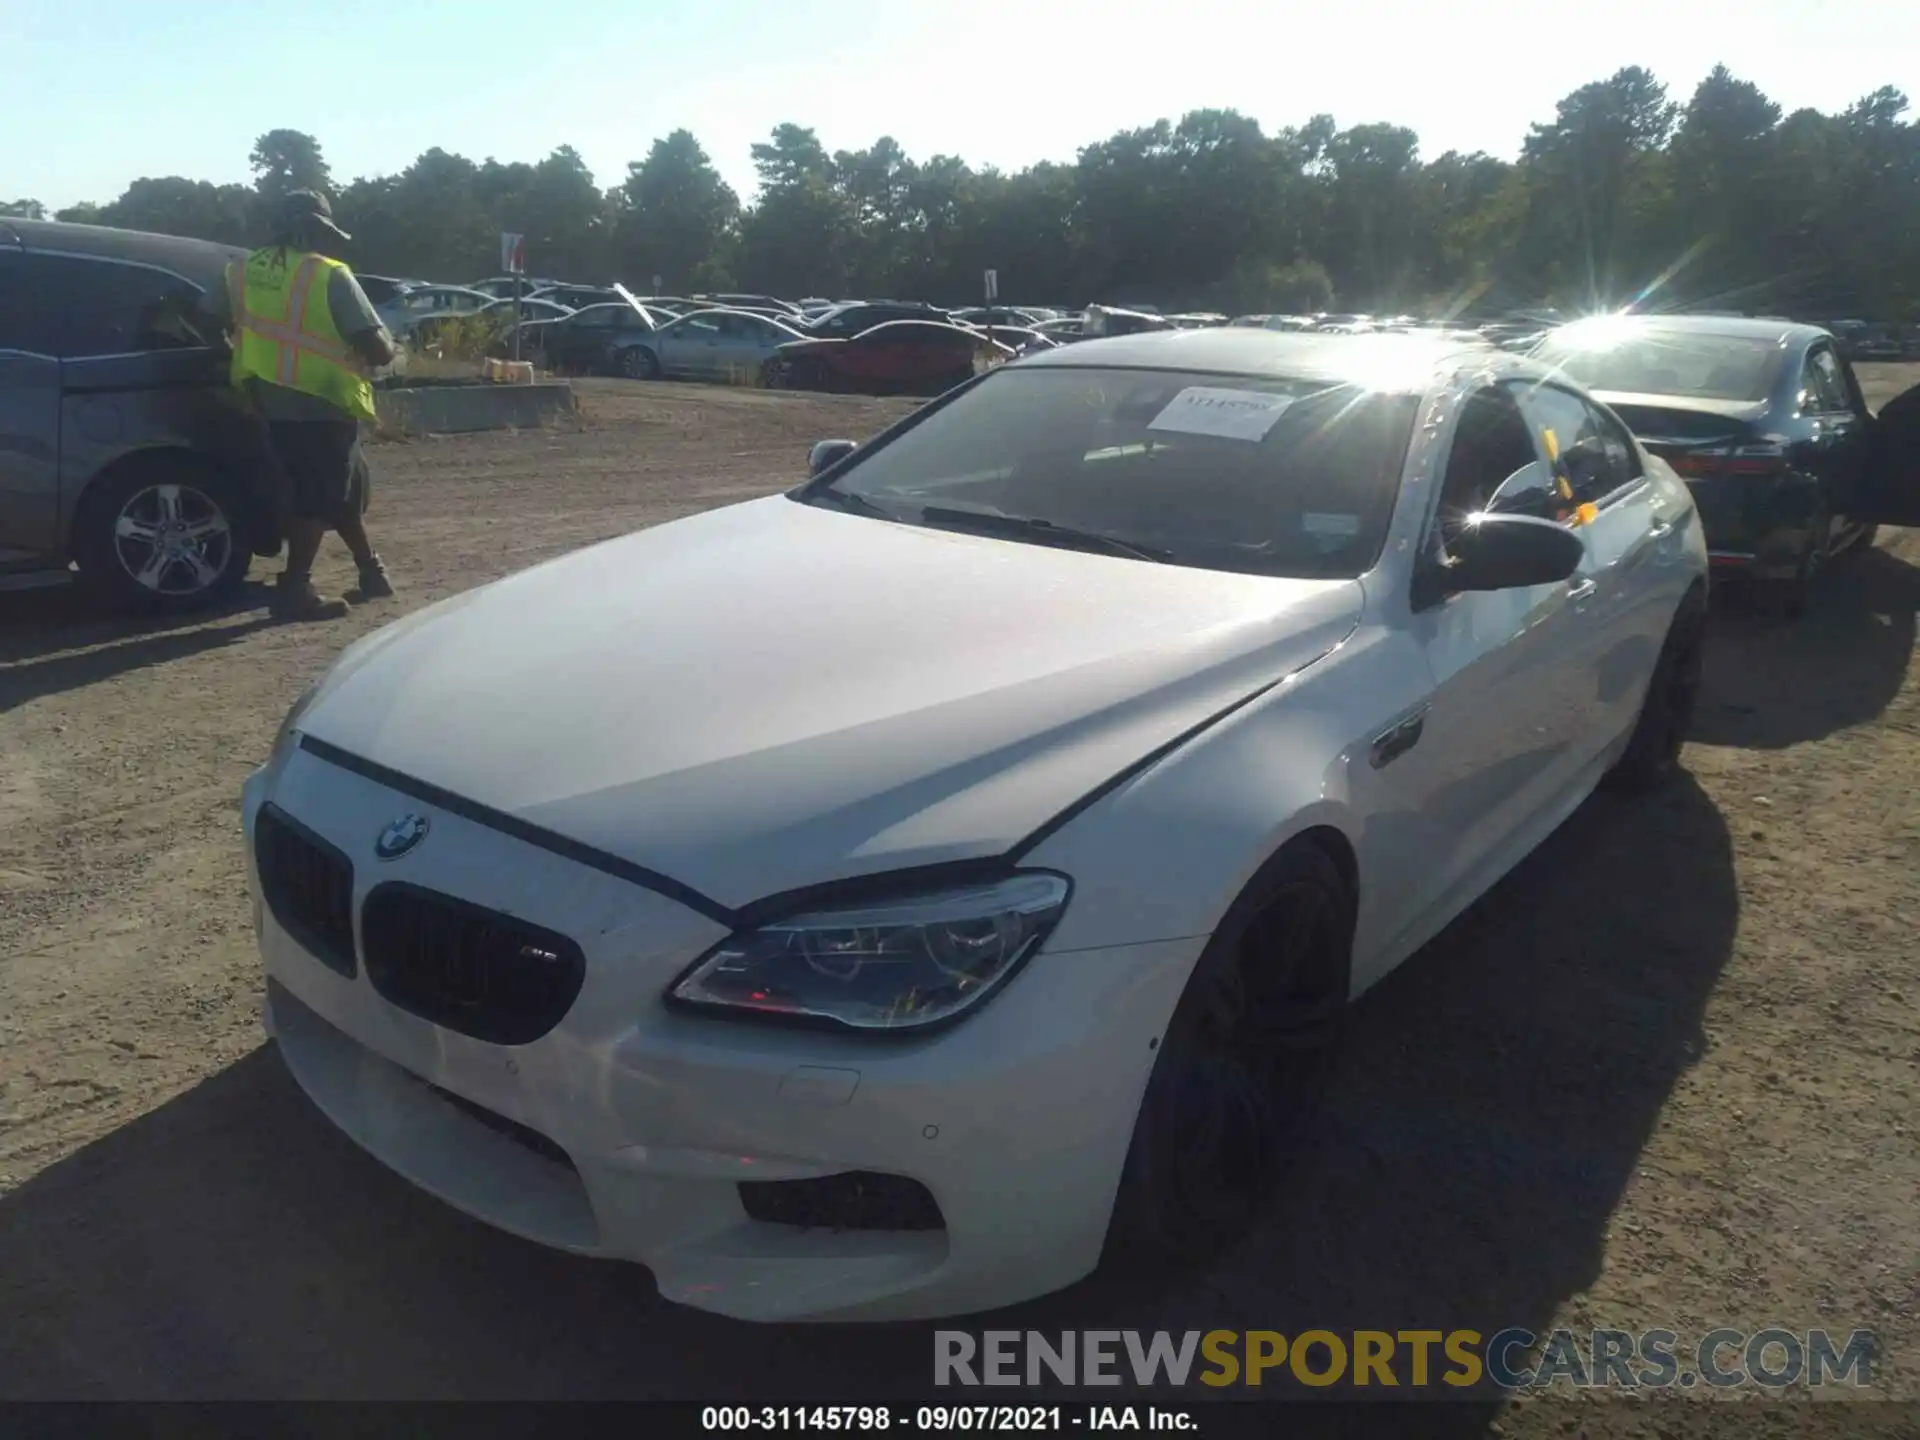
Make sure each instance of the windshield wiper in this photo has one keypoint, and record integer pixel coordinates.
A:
(991, 522)
(848, 500)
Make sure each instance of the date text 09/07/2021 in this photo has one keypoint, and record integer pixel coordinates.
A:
(942, 1419)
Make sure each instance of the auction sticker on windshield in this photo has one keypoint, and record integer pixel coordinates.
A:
(1229, 414)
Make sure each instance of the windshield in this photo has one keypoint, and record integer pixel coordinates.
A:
(1266, 477)
(1664, 362)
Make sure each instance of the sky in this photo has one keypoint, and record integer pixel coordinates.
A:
(100, 92)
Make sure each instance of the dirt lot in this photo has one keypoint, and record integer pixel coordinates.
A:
(1665, 1076)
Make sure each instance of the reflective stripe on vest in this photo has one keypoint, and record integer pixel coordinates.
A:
(289, 335)
(285, 334)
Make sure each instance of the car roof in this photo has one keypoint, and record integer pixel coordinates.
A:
(200, 261)
(1404, 364)
(1731, 326)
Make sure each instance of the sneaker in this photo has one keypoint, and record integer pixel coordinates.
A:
(298, 600)
(374, 583)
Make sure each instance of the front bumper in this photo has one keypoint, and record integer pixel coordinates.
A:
(1017, 1120)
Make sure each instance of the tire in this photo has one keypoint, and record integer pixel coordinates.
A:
(1242, 1068)
(1652, 756)
(125, 551)
(637, 362)
(1789, 599)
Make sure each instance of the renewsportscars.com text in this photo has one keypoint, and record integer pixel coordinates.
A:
(1513, 1359)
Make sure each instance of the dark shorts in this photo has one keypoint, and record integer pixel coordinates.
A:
(327, 478)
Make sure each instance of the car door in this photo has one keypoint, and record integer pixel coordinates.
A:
(1491, 752)
(1888, 490)
(737, 355)
(1833, 447)
(1617, 612)
(29, 416)
(695, 347)
(589, 336)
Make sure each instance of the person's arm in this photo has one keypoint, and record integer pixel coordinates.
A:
(356, 320)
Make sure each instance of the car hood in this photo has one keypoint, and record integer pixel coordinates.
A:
(772, 695)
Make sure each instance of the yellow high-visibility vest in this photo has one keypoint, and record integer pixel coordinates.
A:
(285, 332)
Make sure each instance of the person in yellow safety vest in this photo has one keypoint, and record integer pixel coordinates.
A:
(305, 342)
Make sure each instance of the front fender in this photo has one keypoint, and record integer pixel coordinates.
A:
(1165, 855)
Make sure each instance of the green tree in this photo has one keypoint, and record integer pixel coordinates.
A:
(1621, 196)
(676, 217)
(285, 160)
(1588, 172)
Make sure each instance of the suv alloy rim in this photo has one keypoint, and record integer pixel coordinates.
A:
(172, 539)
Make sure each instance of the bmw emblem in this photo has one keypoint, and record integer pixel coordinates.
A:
(401, 837)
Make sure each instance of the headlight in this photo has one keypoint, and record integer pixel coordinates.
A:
(891, 965)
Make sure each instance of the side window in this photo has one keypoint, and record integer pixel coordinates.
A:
(1622, 453)
(109, 308)
(1570, 435)
(1490, 443)
(29, 313)
(1829, 384)
(595, 319)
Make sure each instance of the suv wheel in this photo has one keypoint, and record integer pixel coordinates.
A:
(162, 534)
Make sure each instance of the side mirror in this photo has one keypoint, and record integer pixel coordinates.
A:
(1511, 552)
(827, 454)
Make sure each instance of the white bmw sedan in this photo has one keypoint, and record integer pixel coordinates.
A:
(877, 900)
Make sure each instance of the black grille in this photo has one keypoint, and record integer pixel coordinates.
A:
(851, 1200)
(468, 968)
(308, 885)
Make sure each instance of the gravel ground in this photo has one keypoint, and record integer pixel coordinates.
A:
(1663, 1076)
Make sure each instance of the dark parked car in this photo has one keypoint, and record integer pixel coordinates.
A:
(902, 357)
(574, 297)
(785, 310)
(589, 340)
(998, 316)
(843, 322)
(1765, 421)
(122, 446)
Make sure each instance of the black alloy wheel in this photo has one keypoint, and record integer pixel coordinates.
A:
(1238, 1083)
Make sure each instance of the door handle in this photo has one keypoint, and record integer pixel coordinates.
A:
(1660, 530)
(1584, 590)
(1390, 744)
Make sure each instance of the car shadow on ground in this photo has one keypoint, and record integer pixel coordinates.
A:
(64, 638)
(1771, 684)
(1493, 1100)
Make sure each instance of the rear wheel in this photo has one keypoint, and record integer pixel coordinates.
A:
(1790, 597)
(1242, 1067)
(1652, 756)
(162, 533)
(639, 363)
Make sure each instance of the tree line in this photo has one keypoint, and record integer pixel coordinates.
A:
(1625, 195)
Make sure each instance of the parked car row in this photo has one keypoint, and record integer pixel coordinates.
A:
(122, 448)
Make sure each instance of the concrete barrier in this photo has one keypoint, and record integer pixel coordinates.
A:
(457, 408)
